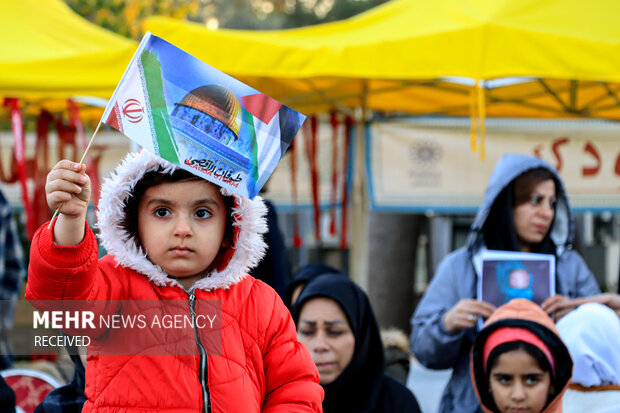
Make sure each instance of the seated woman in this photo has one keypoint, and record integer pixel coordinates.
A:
(518, 361)
(525, 209)
(336, 323)
(592, 335)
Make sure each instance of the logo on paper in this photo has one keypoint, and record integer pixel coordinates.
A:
(133, 110)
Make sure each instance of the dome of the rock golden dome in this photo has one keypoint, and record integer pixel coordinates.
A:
(218, 102)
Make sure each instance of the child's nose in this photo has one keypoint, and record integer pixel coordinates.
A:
(182, 227)
(518, 392)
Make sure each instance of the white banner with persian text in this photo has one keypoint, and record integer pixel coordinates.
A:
(428, 164)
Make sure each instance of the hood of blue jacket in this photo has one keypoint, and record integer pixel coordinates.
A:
(507, 169)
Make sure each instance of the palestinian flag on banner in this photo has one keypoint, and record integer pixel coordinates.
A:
(201, 119)
(271, 119)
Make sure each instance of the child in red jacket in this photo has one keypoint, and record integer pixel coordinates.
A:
(173, 236)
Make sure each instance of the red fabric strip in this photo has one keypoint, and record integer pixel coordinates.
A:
(41, 211)
(17, 125)
(333, 120)
(297, 240)
(12, 176)
(348, 128)
(66, 136)
(91, 167)
(311, 151)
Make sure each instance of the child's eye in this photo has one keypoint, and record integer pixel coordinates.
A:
(162, 212)
(202, 213)
(503, 379)
(532, 379)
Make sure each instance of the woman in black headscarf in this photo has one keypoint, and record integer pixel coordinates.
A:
(336, 323)
(305, 274)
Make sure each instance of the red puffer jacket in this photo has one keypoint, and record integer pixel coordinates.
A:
(261, 367)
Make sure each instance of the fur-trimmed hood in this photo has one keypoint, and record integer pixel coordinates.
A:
(248, 221)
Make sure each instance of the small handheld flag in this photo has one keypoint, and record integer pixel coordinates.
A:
(199, 118)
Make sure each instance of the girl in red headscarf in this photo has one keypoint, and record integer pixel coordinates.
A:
(518, 361)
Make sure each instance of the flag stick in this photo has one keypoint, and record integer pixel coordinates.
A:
(92, 138)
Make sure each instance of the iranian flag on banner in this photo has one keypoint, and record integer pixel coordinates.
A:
(138, 108)
(199, 118)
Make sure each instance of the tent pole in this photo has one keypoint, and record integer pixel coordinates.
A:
(358, 254)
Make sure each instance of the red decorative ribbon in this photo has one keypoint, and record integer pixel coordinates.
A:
(66, 136)
(12, 176)
(348, 128)
(297, 241)
(311, 151)
(17, 125)
(333, 120)
(41, 211)
(91, 166)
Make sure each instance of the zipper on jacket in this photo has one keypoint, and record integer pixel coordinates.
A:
(204, 368)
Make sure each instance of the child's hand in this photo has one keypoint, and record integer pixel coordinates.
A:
(68, 188)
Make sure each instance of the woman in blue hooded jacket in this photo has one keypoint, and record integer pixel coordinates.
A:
(525, 208)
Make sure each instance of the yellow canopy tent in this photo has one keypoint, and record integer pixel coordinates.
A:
(48, 54)
(403, 57)
(400, 57)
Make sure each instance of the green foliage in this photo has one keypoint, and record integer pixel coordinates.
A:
(126, 16)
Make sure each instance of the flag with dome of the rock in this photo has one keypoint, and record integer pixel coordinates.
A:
(199, 118)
